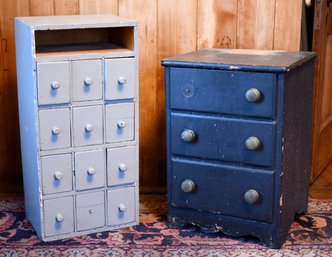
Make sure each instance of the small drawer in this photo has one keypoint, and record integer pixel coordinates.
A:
(120, 78)
(56, 173)
(90, 169)
(233, 191)
(87, 80)
(121, 206)
(58, 216)
(121, 165)
(88, 125)
(90, 211)
(220, 138)
(216, 91)
(54, 126)
(120, 122)
(53, 82)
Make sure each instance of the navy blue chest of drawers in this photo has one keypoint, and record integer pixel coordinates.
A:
(239, 140)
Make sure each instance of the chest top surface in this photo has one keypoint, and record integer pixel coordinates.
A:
(241, 59)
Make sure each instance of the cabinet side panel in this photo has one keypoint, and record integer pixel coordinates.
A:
(28, 121)
(296, 148)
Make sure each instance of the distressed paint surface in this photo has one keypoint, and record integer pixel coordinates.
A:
(218, 181)
(63, 123)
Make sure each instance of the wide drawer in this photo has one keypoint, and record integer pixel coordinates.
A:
(223, 138)
(222, 189)
(218, 91)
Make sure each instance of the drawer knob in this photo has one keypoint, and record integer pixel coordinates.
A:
(253, 143)
(88, 127)
(59, 217)
(122, 80)
(58, 175)
(121, 123)
(55, 84)
(91, 171)
(123, 167)
(122, 207)
(56, 131)
(88, 81)
(188, 136)
(251, 196)
(188, 186)
(91, 211)
(253, 95)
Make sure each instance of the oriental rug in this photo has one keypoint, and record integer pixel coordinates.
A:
(309, 236)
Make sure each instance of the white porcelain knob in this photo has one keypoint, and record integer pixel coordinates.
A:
(55, 84)
(188, 136)
(122, 207)
(122, 80)
(58, 175)
(251, 196)
(188, 186)
(253, 95)
(253, 143)
(123, 167)
(91, 171)
(88, 127)
(59, 217)
(56, 130)
(88, 81)
(121, 123)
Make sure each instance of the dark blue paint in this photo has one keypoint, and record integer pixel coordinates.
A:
(205, 93)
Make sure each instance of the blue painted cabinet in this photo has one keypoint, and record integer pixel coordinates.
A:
(239, 140)
(78, 108)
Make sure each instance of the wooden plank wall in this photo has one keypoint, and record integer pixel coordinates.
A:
(167, 28)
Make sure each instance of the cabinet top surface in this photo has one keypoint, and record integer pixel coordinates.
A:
(241, 59)
(74, 21)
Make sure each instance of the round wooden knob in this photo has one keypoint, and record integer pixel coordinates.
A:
(188, 186)
(58, 175)
(121, 123)
(122, 207)
(123, 167)
(122, 80)
(253, 95)
(88, 81)
(251, 196)
(55, 84)
(188, 136)
(253, 143)
(88, 127)
(56, 131)
(59, 217)
(91, 171)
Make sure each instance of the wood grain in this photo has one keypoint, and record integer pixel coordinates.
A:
(98, 7)
(166, 28)
(287, 28)
(216, 23)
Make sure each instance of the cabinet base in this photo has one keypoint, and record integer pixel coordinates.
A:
(269, 235)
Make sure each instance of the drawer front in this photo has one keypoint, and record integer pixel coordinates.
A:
(53, 82)
(121, 165)
(222, 189)
(90, 211)
(120, 78)
(54, 126)
(218, 91)
(88, 125)
(120, 122)
(121, 206)
(90, 169)
(222, 138)
(87, 80)
(56, 173)
(58, 216)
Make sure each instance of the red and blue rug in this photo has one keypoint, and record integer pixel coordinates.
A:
(309, 236)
